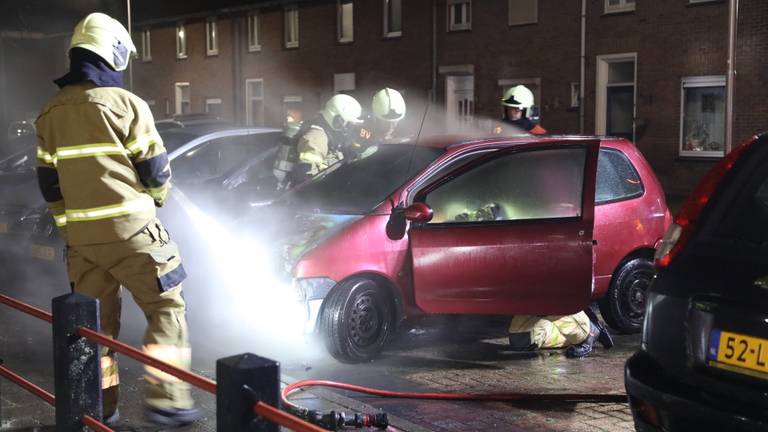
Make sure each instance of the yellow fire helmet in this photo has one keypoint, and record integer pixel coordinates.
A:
(106, 37)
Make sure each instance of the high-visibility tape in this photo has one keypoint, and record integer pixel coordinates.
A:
(60, 220)
(311, 158)
(142, 144)
(89, 150)
(176, 355)
(109, 372)
(80, 215)
(46, 157)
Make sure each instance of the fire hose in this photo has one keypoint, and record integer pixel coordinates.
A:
(338, 420)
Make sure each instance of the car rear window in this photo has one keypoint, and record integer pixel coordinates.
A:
(617, 179)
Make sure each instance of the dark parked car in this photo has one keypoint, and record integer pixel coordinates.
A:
(391, 236)
(211, 163)
(703, 363)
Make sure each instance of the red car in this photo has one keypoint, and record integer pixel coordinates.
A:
(472, 226)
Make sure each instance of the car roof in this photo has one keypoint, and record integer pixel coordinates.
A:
(190, 137)
(451, 142)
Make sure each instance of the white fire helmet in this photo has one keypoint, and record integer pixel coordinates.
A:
(342, 110)
(518, 96)
(106, 37)
(388, 105)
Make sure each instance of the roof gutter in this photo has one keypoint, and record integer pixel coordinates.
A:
(172, 19)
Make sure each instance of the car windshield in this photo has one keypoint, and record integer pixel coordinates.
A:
(356, 187)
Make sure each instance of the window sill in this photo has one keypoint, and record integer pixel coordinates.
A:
(146, 60)
(291, 46)
(709, 159)
(393, 35)
(704, 3)
(181, 57)
(522, 24)
(618, 13)
(212, 54)
(256, 48)
(345, 41)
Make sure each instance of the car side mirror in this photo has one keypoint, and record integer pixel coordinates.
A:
(419, 212)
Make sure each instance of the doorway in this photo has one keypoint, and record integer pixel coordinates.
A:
(616, 92)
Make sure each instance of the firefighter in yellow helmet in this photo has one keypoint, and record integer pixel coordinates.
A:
(518, 104)
(311, 147)
(103, 169)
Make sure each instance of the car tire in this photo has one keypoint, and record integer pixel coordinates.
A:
(623, 307)
(357, 320)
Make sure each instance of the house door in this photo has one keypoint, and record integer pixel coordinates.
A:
(459, 101)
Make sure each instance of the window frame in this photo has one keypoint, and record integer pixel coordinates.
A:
(211, 101)
(290, 22)
(181, 41)
(510, 9)
(623, 6)
(449, 15)
(146, 45)
(420, 189)
(254, 31)
(340, 38)
(698, 82)
(178, 101)
(211, 37)
(386, 20)
(249, 98)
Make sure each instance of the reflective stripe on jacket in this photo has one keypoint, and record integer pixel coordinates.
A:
(101, 163)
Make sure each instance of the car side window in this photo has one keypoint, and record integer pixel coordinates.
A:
(212, 159)
(533, 184)
(617, 179)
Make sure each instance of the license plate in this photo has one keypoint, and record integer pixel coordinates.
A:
(738, 353)
(3, 227)
(43, 252)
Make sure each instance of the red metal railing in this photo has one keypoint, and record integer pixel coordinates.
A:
(46, 396)
(261, 409)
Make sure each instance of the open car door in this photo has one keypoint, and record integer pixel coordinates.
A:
(511, 233)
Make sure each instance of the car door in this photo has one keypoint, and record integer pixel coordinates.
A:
(511, 233)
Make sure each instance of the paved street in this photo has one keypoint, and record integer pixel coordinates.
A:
(462, 354)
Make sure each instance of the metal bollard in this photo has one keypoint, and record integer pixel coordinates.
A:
(76, 362)
(241, 381)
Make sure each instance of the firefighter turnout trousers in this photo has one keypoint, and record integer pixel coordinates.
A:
(148, 265)
(554, 331)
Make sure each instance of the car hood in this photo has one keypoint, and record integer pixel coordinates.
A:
(288, 235)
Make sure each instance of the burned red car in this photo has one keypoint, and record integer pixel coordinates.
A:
(471, 226)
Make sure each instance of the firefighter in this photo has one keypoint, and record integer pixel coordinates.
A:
(311, 147)
(577, 333)
(388, 108)
(103, 169)
(518, 106)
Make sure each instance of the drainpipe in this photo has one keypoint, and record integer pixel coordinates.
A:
(582, 64)
(433, 96)
(733, 16)
(237, 67)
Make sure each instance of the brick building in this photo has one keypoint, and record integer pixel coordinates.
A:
(654, 71)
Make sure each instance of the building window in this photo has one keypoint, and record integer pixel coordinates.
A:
(612, 6)
(183, 105)
(523, 12)
(575, 94)
(393, 18)
(254, 102)
(211, 37)
(146, 45)
(291, 26)
(346, 26)
(292, 109)
(254, 43)
(181, 41)
(459, 15)
(702, 116)
(213, 106)
(343, 82)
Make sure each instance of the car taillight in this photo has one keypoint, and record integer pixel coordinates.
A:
(685, 220)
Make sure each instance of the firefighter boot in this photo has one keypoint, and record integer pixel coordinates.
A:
(585, 347)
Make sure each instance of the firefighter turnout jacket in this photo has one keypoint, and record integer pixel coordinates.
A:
(102, 167)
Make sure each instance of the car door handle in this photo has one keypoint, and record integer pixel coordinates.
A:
(594, 242)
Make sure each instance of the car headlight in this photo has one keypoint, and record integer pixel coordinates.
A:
(312, 288)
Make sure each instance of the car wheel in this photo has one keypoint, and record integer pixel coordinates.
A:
(357, 320)
(623, 307)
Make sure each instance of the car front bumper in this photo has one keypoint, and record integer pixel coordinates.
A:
(675, 406)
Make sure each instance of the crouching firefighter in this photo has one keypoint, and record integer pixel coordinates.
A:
(102, 169)
(308, 148)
